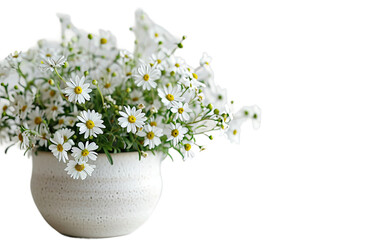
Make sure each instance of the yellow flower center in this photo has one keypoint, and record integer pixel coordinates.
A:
(107, 85)
(128, 74)
(52, 93)
(187, 147)
(207, 63)
(90, 124)
(170, 97)
(48, 55)
(24, 108)
(38, 120)
(78, 90)
(153, 123)
(156, 35)
(146, 77)
(126, 56)
(60, 148)
(177, 65)
(21, 137)
(234, 132)
(61, 121)
(135, 99)
(103, 40)
(180, 110)
(131, 119)
(65, 138)
(85, 152)
(175, 132)
(79, 167)
(194, 75)
(5, 107)
(54, 108)
(150, 135)
(159, 61)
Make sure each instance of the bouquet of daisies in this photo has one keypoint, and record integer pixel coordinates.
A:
(83, 96)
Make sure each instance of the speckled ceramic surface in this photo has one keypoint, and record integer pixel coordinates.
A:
(114, 201)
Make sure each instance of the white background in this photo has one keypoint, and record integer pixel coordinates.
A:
(313, 170)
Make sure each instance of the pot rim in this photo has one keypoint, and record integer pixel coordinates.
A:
(157, 154)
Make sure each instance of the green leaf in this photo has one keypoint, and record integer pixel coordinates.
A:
(108, 156)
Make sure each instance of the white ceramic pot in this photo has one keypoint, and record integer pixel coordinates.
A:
(114, 201)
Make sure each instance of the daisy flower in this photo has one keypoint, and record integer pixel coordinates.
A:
(155, 122)
(107, 39)
(85, 152)
(14, 58)
(66, 133)
(53, 109)
(176, 64)
(181, 111)
(136, 96)
(190, 79)
(250, 112)
(36, 118)
(175, 133)
(234, 130)
(23, 139)
(22, 105)
(126, 56)
(205, 60)
(78, 90)
(131, 119)
(156, 60)
(48, 52)
(217, 96)
(152, 135)
(59, 147)
(91, 123)
(171, 96)
(186, 150)
(44, 133)
(79, 169)
(51, 63)
(145, 77)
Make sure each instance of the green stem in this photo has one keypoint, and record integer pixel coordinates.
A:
(55, 70)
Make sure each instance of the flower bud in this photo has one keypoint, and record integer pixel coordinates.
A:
(210, 107)
(180, 45)
(16, 87)
(216, 111)
(103, 41)
(86, 73)
(66, 64)
(254, 116)
(51, 82)
(211, 137)
(114, 74)
(128, 90)
(90, 36)
(141, 106)
(94, 82)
